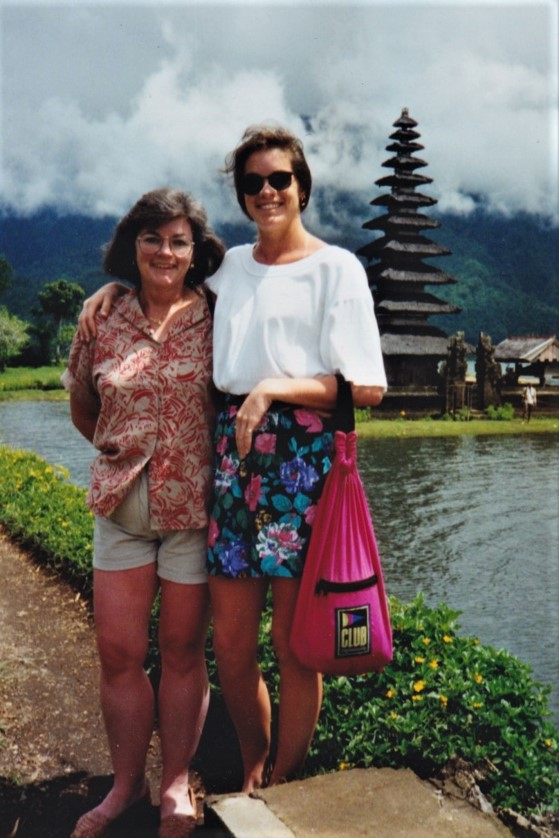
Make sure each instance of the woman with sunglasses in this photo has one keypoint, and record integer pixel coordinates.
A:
(290, 313)
(140, 392)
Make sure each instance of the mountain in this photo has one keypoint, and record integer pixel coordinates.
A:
(507, 268)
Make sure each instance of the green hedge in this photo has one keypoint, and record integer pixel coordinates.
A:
(444, 695)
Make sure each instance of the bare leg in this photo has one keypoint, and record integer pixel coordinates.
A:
(237, 607)
(184, 688)
(122, 603)
(300, 688)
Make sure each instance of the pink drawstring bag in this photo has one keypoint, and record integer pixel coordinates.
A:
(342, 622)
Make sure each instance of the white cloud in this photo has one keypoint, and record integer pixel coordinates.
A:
(102, 101)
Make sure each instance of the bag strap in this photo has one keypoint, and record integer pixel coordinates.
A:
(343, 414)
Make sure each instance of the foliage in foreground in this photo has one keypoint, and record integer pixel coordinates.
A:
(443, 695)
(45, 513)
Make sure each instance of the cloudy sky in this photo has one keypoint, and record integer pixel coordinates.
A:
(103, 100)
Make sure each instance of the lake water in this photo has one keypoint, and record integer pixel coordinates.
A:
(469, 521)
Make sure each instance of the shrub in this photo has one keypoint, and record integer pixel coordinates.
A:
(443, 696)
(503, 413)
(46, 513)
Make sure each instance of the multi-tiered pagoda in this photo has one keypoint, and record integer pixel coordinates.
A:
(412, 347)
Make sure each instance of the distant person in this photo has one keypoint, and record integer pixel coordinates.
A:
(530, 400)
(291, 311)
(140, 392)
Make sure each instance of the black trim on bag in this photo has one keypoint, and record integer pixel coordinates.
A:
(323, 586)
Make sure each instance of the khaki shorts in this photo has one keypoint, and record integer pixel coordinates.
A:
(126, 540)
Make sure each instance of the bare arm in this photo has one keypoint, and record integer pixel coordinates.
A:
(316, 393)
(100, 302)
(84, 413)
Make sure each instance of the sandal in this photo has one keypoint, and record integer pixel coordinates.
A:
(179, 826)
(94, 824)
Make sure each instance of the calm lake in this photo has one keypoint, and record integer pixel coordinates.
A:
(471, 521)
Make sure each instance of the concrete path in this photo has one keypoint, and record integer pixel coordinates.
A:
(383, 803)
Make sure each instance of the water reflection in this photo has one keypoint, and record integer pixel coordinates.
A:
(46, 428)
(471, 521)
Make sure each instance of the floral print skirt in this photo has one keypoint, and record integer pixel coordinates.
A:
(264, 505)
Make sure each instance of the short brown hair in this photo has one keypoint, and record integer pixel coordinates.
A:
(261, 138)
(152, 210)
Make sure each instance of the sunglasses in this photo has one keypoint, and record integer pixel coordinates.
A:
(252, 183)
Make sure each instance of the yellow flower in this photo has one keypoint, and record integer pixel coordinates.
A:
(393, 715)
(344, 766)
(417, 698)
(419, 686)
(478, 678)
(426, 641)
(549, 743)
(444, 700)
(447, 639)
(419, 659)
(477, 704)
(434, 664)
(390, 693)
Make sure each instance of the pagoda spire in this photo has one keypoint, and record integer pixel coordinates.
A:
(412, 347)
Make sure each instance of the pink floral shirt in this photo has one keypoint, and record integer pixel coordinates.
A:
(154, 410)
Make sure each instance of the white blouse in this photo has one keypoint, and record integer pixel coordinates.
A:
(302, 319)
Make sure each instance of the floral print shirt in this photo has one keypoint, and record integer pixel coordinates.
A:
(154, 411)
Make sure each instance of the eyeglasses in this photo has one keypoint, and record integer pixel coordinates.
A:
(151, 243)
(252, 183)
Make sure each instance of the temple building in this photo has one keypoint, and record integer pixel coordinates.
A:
(530, 355)
(412, 346)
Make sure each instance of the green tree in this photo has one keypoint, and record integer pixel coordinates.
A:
(6, 274)
(13, 336)
(60, 302)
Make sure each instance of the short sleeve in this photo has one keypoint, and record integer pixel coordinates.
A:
(350, 336)
(77, 377)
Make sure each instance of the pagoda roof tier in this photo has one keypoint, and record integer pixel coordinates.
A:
(403, 135)
(422, 274)
(404, 344)
(428, 306)
(403, 198)
(404, 162)
(413, 220)
(404, 120)
(407, 326)
(405, 147)
(416, 246)
(401, 180)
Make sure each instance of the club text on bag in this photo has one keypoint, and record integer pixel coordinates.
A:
(353, 631)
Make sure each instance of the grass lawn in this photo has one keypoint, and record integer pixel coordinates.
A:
(438, 427)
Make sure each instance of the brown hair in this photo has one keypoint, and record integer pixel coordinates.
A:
(261, 138)
(152, 210)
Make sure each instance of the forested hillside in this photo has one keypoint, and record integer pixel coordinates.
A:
(507, 269)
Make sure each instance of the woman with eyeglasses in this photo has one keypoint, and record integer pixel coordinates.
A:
(290, 313)
(140, 392)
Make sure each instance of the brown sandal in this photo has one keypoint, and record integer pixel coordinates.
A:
(94, 824)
